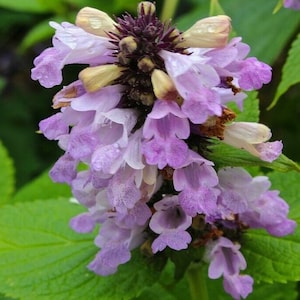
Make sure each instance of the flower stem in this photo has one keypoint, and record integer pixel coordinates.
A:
(197, 282)
(168, 10)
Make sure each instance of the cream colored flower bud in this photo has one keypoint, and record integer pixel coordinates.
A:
(245, 135)
(95, 78)
(146, 64)
(128, 45)
(163, 86)
(210, 32)
(146, 7)
(95, 21)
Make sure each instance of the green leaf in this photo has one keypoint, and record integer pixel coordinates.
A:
(261, 29)
(42, 258)
(290, 71)
(271, 259)
(38, 33)
(42, 188)
(224, 155)
(7, 181)
(216, 8)
(250, 112)
(33, 6)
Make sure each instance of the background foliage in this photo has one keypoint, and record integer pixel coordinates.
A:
(31, 267)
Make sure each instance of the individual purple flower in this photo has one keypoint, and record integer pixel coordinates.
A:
(293, 4)
(195, 180)
(164, 130)
(226, 260)
(170, 222)
(270, 212)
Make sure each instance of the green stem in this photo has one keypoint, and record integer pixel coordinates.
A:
(197, 282)
(169, 9)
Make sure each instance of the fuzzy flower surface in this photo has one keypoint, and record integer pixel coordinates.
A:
(140, 118)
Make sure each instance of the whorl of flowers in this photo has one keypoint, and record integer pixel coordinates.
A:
(140, 117)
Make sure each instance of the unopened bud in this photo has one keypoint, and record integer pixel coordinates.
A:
(163, 86)
(146, 65)
(95, 78)
(209, 32)
(146, 8)
(95, 21)
(128, 45)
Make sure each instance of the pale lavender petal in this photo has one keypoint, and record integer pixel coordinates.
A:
(109, 258)
(176, 240)
(54, 126)
(82, 223)
(269, 151)
(238, 285)
(64, 170)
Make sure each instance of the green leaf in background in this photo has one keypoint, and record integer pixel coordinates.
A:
(33, 6)
(224, 155)
(42, 188)
(290, 71)
(7, 181)
(41, 258)
(266, 33)
(41, 32)
(250, 112)
(276, 259)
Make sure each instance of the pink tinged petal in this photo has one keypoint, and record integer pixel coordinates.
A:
(254, 74)
(269, 151)
(82, 223)
(238, 285)
(109, 258)
(64, 170)
(53, 127)
(176, 240)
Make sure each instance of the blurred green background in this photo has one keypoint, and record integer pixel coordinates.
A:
(24, 33)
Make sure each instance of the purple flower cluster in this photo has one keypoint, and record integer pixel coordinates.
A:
(139, 118)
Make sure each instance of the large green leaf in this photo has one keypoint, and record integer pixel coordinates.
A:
(33, 6)
(272, 259)
(7, 181)
(290, 71)
(42, 258)
(42, 188)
